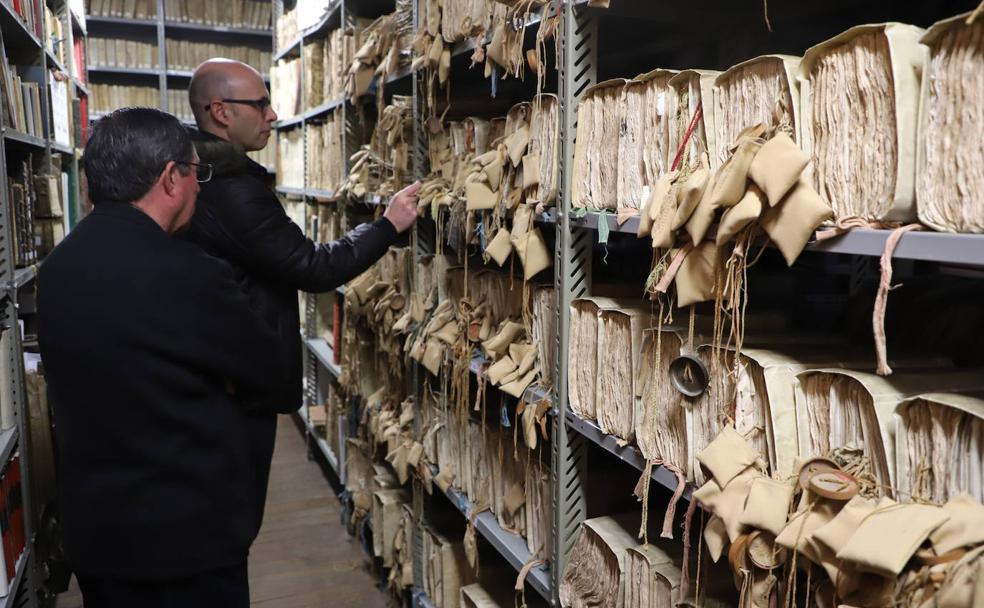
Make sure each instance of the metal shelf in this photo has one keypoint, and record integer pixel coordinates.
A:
(62, 148)
(54, 61)
(314, 193)
(80, 86)
(926, 245)
(20, 29)
(510, 545)
(8, 439)
(421, 599)
(590, 220)
(23, 276)
(629, 453)
(309, 114)
(320, 441)
(290, 190)
(533, 394)
(126, 71)
(11, 135)
(121, 21)
(372, 199)
(294, 45)
(921, 245)
(325, 355)
(76, 21)
(221, 29)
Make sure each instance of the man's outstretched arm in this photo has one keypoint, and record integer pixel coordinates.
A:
(277, 248)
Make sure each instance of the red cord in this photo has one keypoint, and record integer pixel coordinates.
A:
(686, 137)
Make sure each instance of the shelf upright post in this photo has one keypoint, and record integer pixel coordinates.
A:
(161, 59)
(423, 244)
(578, 70)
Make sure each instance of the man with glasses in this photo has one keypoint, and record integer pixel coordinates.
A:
(154, 360)
(240, 219)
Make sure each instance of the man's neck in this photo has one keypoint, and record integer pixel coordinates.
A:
(216, 131)
(161, 218)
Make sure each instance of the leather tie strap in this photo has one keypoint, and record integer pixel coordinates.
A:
(664, 283)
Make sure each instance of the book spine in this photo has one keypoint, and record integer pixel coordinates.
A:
(17, 500)
(336, 331)
(8, 553)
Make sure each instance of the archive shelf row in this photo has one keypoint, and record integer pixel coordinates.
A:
(595, 45)
(967, 249)
(176, 26)
(42, 51)
(158, 31)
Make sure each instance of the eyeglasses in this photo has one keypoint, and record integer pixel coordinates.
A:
(260, 104)
(203, 171)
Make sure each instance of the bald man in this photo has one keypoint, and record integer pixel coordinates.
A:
(239, 218)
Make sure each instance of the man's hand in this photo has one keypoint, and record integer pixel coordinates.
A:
(402, 209)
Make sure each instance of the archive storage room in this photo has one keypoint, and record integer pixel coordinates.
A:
(492, 303)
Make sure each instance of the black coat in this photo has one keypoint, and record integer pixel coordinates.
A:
(241, 220)
(143, 337)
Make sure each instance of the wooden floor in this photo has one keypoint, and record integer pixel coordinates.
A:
(303, 557)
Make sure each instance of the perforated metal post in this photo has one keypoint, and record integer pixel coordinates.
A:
(578, 69)
(422, 244)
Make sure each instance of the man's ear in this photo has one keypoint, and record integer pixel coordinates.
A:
(169, 177)
(219, 112)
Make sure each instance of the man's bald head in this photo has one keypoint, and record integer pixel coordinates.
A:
(227, 98)
(218, 79)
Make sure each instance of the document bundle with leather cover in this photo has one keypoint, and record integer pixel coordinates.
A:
(757, 391)
(840, 408)
(325, 154)
(595, 574)
(860, 94)
(540, 168)
(539, 506)
(584, 357)
(619, 344)
(390, 145)
(462, 19)
(595, 180)
(763, 90)
(339, 48)
(938, 445)
(545, 332)
(646, 109)
(446, 568)
(832, 513)
(693, 89)
(949, 159)
(652, 578)
(387, 522)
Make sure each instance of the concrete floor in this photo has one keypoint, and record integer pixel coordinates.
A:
(303, 557)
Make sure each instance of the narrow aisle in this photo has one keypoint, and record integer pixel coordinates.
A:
(303, 557)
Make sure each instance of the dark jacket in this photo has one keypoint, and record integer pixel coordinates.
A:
(142, 336)
(241, 220)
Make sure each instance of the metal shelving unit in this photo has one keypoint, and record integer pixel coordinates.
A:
(322, 445)
(509, 544)
(580, 65)
(325, 355)
(160, 28)
(33, 58)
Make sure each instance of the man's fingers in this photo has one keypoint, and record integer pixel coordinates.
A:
(410, 190)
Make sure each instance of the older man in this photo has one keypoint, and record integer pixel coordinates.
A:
(154, 357)
(240, 219)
